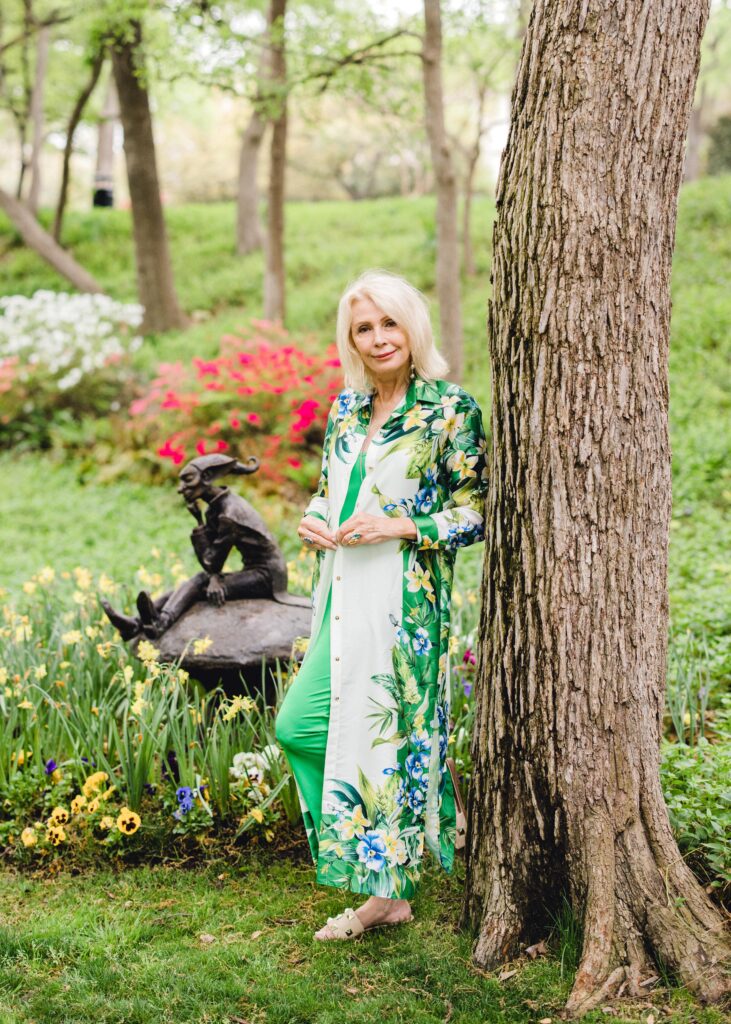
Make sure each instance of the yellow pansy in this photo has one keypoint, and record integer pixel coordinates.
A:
(28, 837)
(127, 821)
(107, 822)
(55, 834)
(257, 814)
(77, 803)
(59, 816)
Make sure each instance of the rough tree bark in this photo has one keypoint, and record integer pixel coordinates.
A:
(45, 245)
(154, 271)
(274, 289)
(81, 100)
(448, 289)
(566, 791)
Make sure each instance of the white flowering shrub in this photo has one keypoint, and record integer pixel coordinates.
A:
(62, 352)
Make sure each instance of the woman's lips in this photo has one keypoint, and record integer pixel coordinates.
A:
(385, 355)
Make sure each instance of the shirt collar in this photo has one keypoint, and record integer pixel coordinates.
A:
(419, 390)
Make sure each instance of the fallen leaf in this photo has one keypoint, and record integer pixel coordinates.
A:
(504, 975)
(608, 1009)
(651, 1018)
(545, 1020)
(165, 903)
(649, 981)
(205, 937)
(539, 949)
(353, 991)
(255, 935)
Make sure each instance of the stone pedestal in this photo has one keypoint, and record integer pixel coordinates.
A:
(245, 635)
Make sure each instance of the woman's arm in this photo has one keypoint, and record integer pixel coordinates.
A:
(463, 458)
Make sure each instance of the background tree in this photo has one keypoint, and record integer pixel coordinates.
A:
(448, 264)
(566, 794)
(155, 284)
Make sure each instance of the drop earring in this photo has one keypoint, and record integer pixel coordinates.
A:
(413, 370)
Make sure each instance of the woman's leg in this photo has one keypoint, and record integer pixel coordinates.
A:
(301, 726)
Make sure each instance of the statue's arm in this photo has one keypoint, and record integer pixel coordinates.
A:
(212, 551)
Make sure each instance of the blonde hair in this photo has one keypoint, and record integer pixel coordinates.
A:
(408, 307)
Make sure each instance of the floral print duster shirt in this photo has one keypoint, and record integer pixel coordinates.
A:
(387, 792)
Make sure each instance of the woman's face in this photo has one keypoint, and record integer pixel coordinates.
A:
(382, 344)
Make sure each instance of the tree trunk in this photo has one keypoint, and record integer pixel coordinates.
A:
(81, 101)
(473, 158)
(692, 167)
(44, 244)
(154, 272)
(248, 229)
(104, 172)
(36, 117)
(274, 296)
(566, 790)
(448, 289)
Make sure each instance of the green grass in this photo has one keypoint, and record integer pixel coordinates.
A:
(127, 949)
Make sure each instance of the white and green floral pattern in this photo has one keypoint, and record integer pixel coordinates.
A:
(387, 791)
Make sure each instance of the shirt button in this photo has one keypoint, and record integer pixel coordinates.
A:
(337, 616)
(337, 577)
(337, 698)
(337, 657)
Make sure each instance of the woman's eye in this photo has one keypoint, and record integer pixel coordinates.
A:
(363, 328)
(390, 323)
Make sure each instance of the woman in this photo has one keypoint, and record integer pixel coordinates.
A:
(365, 723)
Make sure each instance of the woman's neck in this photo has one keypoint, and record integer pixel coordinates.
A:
(388, 391)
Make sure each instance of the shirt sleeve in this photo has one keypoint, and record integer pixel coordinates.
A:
(319, 503)
(461, 520)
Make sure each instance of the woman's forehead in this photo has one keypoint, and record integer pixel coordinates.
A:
(365, 309)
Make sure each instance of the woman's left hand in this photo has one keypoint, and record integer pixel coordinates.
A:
(374, 529)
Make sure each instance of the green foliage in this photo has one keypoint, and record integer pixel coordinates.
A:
(697, 786)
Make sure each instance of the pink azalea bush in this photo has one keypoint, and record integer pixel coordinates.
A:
(262, 395)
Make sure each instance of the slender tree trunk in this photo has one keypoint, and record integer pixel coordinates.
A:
(473, 158)
(154, 271)
(36, 117)
(104, 172)
(45, 245)
(566, 791)
(81, 101)
(448, 288)
(274, 293)
(248, 228)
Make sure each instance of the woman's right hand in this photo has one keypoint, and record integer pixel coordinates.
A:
(317, 530)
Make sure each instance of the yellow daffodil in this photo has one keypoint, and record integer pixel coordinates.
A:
(3, 676)
(138, 706)
(147, 651)
(79, 597)
(46, 575)
(23, 633)
(91, 632)
(107, 584)
(73, 636)
(28, 837)
(127, 821)
(40, 672)
(83, 577)
(201, 646)
(64, 664)
(238, 703)
(128, 672)
(29, 587)
(26, 705)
